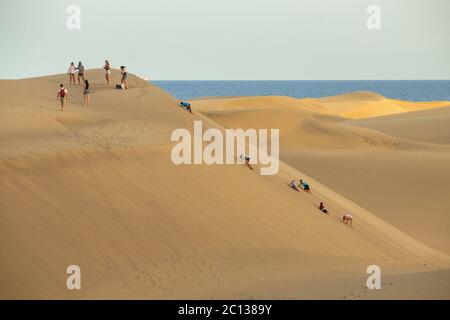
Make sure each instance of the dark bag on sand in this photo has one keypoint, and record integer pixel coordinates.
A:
(118, 86)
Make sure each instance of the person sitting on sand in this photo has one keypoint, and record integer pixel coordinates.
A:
(246, 159)
(294, 186)
(62, 95)
(185, 105)
(80, 69)
(71, 73)
(322, 208)
(348, 219)
(86, 93)
(107, 68)
(305, 186)
(123, 80)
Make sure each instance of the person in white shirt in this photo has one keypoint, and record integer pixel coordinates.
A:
(71, 73)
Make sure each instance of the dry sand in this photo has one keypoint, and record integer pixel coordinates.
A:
(94, 186)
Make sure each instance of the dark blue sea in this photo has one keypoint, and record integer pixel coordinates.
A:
(414, 90)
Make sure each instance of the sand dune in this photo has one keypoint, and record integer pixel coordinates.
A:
(380, 162)
(94, 186)
(425, 126)
(360, 105)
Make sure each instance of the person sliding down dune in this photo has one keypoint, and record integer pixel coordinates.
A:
(348, 219)
(305, 186)
(247, 161)
(322, 208)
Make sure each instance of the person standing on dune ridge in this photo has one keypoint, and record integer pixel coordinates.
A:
(80, 69)
(123, 80)
(62, 95)
(71, 73)
(107, 68)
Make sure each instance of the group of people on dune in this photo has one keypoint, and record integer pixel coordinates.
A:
(303, 185)
(63, 93)
(63, 96)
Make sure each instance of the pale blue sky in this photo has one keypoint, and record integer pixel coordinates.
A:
(230, 39)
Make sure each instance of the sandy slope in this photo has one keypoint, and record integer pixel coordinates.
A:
(383, 163)
(94, 186)
(427, 126)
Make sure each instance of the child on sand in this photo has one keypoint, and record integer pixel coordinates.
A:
(80, 69)
(322, 208)
(123, 80)
(107, 68)
(348, 219)
(71, 73)
(86, 93)
(62, 95)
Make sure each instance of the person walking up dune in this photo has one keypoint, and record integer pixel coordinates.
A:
(71, 73)
(86, 93)
(305, 186)
(107, 68)
(62, 95)
(80, 69)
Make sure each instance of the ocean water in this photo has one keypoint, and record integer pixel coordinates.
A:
(414, 90)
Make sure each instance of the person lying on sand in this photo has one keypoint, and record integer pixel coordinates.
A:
(348, 219)
(322, 208)
(185, 105)
(62, 95)
(247, 161)
(294, 186)
(305, 186)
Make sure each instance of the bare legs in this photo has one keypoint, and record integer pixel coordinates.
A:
(72, 78)
(79, 76)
